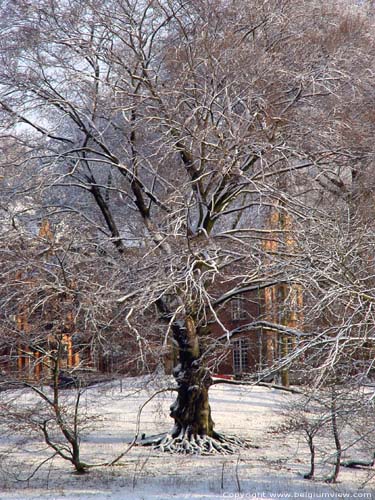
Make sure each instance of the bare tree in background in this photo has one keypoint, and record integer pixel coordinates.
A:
(170, 130)
(39, 305)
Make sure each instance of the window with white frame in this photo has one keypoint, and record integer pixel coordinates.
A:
(238, 308)
(240, 355)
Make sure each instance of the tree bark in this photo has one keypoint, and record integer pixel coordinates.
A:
(191, 410)
(336, 436)
(311, 473)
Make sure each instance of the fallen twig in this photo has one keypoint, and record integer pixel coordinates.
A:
(261, 384)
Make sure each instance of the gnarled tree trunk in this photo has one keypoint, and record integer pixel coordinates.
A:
(193, 431)
(191, 410)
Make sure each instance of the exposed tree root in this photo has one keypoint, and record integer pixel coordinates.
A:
(219, 444)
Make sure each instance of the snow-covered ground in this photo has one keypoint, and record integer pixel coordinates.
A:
(274, 470)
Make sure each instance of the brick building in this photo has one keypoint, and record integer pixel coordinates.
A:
(251, 345)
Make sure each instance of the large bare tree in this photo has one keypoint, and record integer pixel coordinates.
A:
(172, 130)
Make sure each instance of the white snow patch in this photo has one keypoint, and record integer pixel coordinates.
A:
(271, 471)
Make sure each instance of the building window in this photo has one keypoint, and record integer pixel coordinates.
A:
(238, 309)
(240, 355)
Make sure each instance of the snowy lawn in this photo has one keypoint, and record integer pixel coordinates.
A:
(274, 470)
